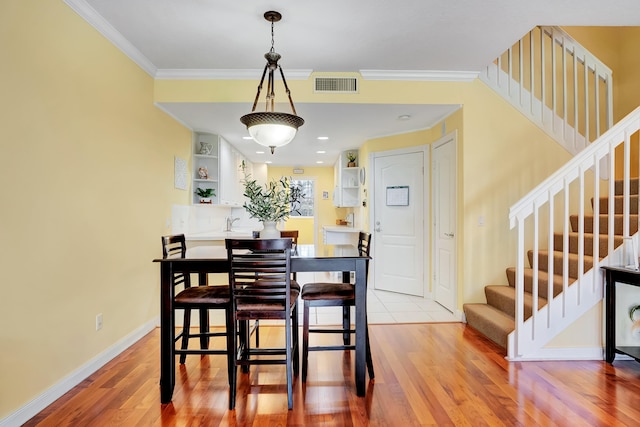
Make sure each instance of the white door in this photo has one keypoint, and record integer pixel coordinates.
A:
(398, 221)
(444, 221)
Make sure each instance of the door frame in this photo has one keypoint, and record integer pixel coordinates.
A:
(426, 167)
(453, 139)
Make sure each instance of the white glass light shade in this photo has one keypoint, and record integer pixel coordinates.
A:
(272, 135)
(272, 129)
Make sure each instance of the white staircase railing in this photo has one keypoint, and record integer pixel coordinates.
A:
(546, 209)
(557, 84)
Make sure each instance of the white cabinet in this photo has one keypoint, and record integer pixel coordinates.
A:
(347, 182)
(217, 165)
(205, 173)
(231, 175)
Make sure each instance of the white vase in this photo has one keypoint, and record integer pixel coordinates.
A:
(269, 230)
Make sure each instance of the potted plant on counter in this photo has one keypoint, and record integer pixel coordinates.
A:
(273, 202)
(205, 194)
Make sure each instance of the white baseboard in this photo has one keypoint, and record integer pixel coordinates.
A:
(572, 353)
(50, 395)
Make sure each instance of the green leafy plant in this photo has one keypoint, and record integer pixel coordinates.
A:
(351, 156)
(273, 202)
(205, 192)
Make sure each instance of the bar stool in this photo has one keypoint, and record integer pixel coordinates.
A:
(322, 294)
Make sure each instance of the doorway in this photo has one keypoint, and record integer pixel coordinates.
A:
(399, 191)
(444, 206)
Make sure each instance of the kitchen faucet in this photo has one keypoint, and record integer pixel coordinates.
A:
(230, 222)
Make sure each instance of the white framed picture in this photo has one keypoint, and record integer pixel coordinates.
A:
(180, 173)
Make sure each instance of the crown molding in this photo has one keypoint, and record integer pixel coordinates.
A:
(94, 19)
(89, 14)
(222, 74)
(413, 75)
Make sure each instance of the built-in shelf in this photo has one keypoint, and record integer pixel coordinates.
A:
(347, 182)
(207, 163)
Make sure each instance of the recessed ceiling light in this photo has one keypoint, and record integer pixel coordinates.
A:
(323, 138)
(259, 152)
(319, 162)
(268, 162)
(404, 117)
(320, 152)
(246, 137)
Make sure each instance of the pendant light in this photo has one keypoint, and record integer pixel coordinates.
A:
(272, 129)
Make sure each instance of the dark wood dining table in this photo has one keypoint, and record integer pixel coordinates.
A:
(213, 259)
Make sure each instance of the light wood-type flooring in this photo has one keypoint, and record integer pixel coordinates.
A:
(440, 374)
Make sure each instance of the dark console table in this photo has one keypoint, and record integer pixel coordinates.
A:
(615, 275)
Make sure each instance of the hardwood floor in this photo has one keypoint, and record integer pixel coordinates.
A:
(441, 374)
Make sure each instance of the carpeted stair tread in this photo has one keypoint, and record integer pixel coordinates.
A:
(604, 223)
(618, 204)
(504, 299)
(633, 186)
(490, 322)
(558, 262)
(543, 279)
(495, 319)
(574, 238)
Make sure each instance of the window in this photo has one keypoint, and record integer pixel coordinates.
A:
(305, 205)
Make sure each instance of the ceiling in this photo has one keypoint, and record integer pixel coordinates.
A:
(175, 38)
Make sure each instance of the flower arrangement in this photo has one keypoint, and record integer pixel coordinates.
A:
(273, 202)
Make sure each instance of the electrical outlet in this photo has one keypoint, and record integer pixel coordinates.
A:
(98, 322)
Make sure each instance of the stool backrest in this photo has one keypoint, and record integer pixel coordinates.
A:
(175, 246)
(259, 274)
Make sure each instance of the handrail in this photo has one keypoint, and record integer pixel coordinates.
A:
(575, 108)
(520, 207)
(535, 216)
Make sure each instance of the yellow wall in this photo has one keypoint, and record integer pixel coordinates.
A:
(326, 212)
(87, 185)
(617, 47)
(78, 121)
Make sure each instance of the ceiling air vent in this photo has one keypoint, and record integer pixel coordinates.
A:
(336, 85)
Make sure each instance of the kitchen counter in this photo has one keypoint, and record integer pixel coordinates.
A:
(340, 229)
(215, 237)
(218, 235)
(340, 235)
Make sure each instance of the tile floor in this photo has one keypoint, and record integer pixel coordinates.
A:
(383, 307)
